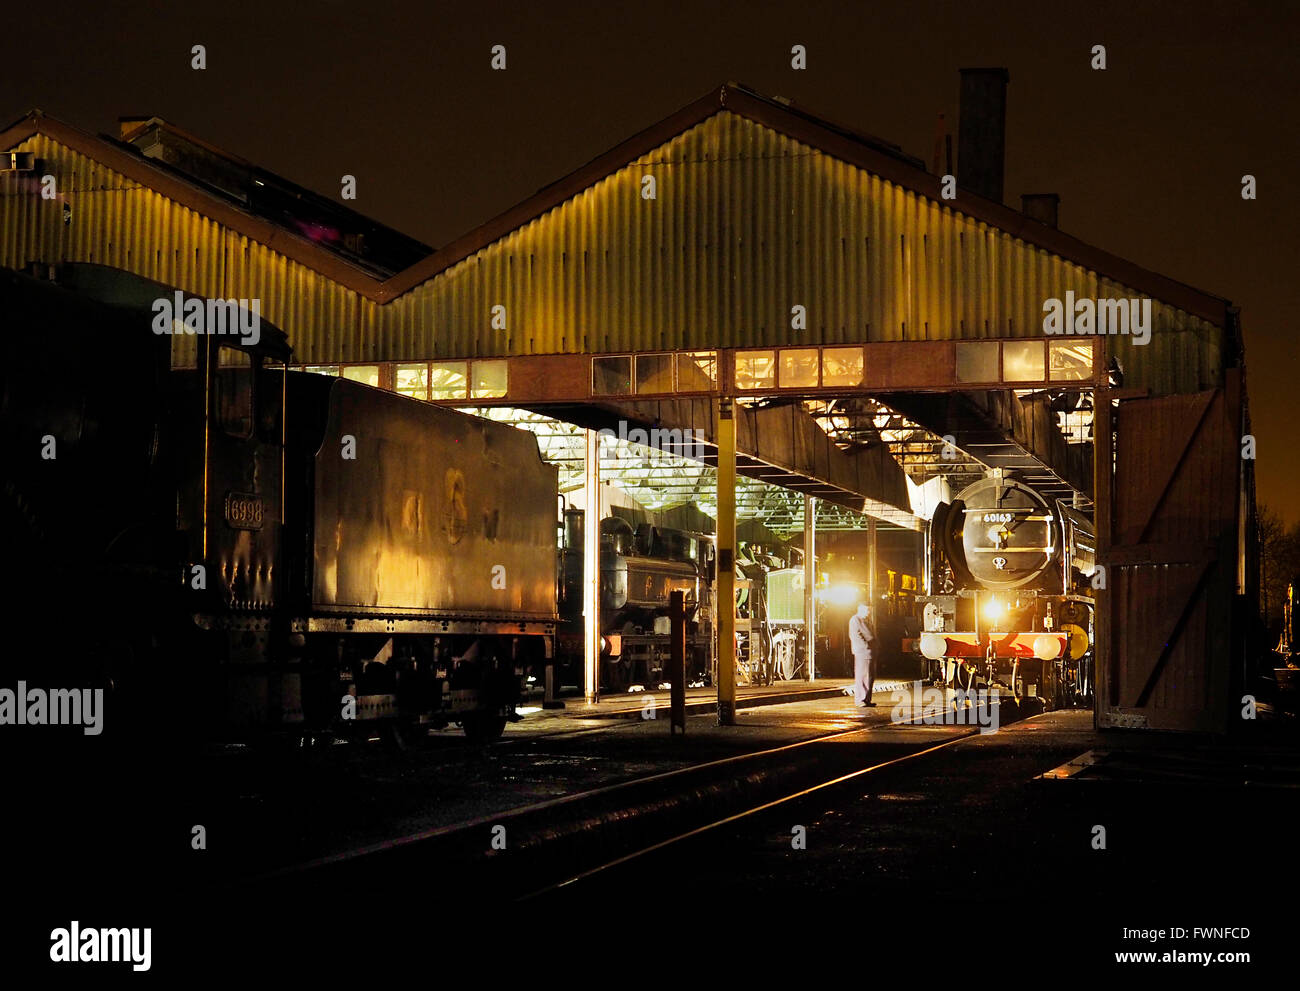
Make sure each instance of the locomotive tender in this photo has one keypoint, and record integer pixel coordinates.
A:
(1009, 599)
(254, 544)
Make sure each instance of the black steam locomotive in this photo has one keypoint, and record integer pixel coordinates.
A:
(641, 566)
(234, 542)
(1009, 596)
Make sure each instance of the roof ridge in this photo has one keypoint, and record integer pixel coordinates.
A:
(859, 150)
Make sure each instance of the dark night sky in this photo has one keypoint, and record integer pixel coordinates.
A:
(1147, 155)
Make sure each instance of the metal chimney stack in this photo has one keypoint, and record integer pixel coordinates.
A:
(982, 132)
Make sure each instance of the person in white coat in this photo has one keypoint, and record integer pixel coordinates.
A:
(862, 640)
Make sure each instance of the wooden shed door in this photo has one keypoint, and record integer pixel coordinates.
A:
(1172, 562)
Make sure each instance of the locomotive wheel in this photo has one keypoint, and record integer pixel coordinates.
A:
(1027, 706)
(622, 673)
(483, 727)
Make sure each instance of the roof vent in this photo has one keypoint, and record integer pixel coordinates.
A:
(125, 125)
(17, 161)
(1043, 207)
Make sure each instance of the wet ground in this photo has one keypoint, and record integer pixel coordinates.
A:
(966, 849)
(969, 849)
(272, 808)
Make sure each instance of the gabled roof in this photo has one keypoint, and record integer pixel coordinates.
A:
(246, 215)
(863, 151)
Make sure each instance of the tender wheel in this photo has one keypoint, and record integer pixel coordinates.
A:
(484, 727)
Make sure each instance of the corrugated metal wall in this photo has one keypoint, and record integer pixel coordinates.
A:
(746, 223)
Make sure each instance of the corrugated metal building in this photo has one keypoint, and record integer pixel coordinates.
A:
(758, 207)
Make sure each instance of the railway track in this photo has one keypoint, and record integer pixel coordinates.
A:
(623, 792)
(552, 845)
(743, 814)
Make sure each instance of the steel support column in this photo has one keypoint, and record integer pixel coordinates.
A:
(872, 598)
(726, 601)
(810, 582)
(1105, 665)
(591, 571)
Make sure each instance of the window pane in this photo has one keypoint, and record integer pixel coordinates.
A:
(798, 367)
(489, 379)
(755, 369)
(365, 374)
(447, 380)
(977, 361)
(1022, 361)
(654, 373)
(1071, 362)
(611, 376)
(234, 399)
(322, 369)
(697, 371)
(841, 366)
(412, 380)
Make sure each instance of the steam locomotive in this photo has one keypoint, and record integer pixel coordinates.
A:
(1009, 596)
(237, 543)
(641, 566)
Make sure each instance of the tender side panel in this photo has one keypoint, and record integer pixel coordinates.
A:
(422, 510)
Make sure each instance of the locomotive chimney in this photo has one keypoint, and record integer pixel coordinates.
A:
(982, 131)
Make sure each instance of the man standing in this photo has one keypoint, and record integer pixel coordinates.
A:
(862, 639)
